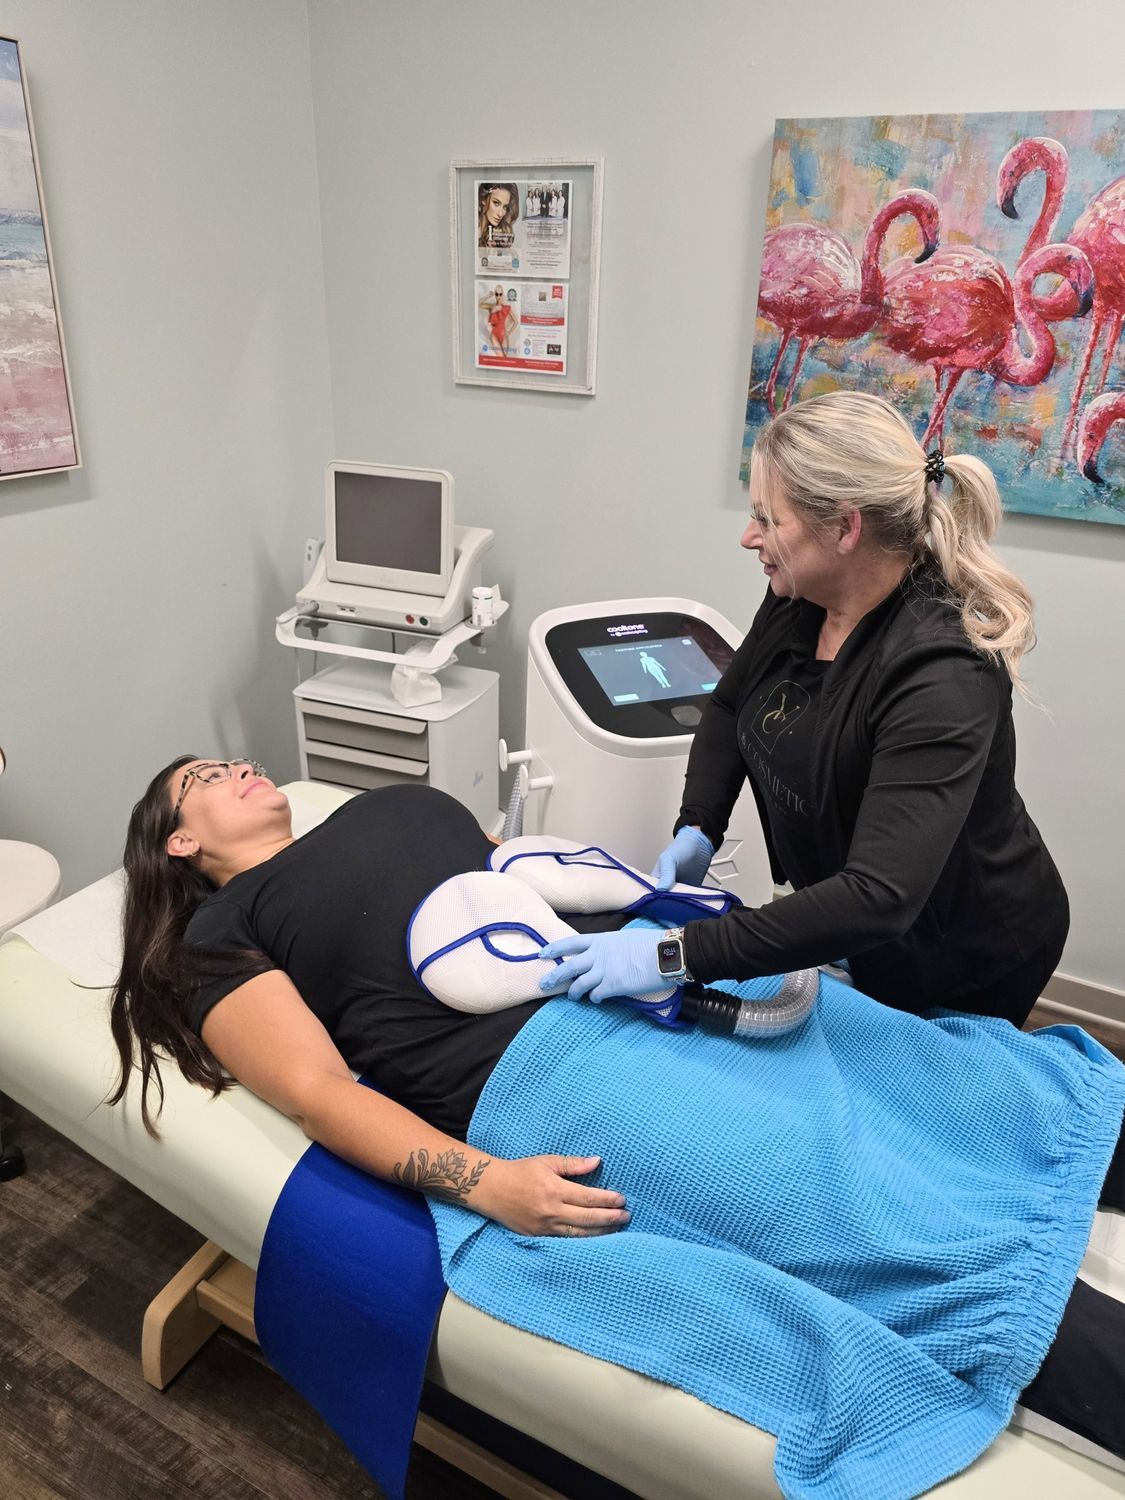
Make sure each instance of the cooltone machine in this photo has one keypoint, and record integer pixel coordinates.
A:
(615, 691)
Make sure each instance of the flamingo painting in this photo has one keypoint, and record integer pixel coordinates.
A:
(812, 286)
(904, 254)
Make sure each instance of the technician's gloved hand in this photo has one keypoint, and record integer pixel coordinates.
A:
(686, 858)
(604, 965)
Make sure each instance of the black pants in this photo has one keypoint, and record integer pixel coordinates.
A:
(1081, 1383)
(1014, 995)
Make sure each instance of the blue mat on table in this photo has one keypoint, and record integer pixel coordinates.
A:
(348, 1294)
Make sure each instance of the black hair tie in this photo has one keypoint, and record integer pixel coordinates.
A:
(935, 467)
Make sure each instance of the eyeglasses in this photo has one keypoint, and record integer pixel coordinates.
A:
(210, 773)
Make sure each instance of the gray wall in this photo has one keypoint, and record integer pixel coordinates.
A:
(642, 495)
(181, 146)
(137, 595)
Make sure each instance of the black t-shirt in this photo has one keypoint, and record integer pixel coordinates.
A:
(777, 736)
(331, 910)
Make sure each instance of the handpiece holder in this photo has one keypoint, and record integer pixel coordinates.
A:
(440, 655)
(459, 616)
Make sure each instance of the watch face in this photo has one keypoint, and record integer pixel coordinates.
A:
(669, 956)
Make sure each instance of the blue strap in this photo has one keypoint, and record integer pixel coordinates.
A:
(483, 934)
(348, 1293)
(663, 1012)
(672, 909)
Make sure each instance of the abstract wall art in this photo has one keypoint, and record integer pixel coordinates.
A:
(971, 268)
(37, 432)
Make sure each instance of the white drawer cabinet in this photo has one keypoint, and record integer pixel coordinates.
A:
(352, 733)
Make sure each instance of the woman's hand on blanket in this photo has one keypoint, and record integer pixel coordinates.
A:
(535, 1195)
(687, 858)
(604, 965)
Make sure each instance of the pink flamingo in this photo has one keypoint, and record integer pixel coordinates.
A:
(960, 312)
(1099, 231)
(964, 314)
(812, 287)
(1012, 365)
(1097, 418)
(1035, 153)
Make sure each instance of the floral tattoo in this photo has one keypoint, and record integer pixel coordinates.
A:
(446, 1175)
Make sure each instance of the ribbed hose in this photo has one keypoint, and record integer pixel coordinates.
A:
(715, 1010)
(513, 818)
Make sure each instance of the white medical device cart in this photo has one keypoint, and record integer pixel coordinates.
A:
(352, 729)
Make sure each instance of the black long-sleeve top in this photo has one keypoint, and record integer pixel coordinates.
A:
(928, 874)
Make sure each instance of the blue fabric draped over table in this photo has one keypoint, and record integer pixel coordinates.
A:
(860, 1236)
(348, 1292)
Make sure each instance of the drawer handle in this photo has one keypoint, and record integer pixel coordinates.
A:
(394, 763)
(312, 709)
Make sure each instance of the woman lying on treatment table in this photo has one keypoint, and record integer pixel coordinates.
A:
(928, 1209)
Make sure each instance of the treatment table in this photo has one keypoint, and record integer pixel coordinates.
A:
(220, 1165)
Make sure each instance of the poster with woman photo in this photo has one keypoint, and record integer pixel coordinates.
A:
(523, 228)
(498, 214)
(521, 325)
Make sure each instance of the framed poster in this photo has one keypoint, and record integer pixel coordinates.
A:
(37, 431)
(525, 250)
(970, 268)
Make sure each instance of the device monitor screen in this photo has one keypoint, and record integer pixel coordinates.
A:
(390, 528)
(645, 671)
(641, 675)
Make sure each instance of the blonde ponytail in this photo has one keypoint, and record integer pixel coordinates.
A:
(851, 450)
(996, 608)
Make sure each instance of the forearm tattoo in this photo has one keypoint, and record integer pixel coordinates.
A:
(446, 1175)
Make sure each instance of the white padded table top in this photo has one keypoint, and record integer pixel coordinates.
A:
(220, 1165)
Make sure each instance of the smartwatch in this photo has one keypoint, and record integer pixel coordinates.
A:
(671, 960)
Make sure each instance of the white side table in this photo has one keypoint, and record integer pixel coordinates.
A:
(29, 881)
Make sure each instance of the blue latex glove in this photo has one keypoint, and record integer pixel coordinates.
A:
(605, 965)
(686, 858)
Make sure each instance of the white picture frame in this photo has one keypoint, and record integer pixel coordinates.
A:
(542, 270)
(38, 432)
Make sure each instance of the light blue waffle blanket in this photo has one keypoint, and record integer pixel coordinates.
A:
(860, 1236)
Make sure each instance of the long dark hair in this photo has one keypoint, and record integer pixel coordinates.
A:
(159, 971)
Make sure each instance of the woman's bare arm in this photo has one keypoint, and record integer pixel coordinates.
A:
(264, 1034)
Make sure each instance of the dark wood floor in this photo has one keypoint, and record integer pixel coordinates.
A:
(81, 1254)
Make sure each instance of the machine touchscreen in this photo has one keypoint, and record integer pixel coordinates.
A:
(643, 676)
(642, 671)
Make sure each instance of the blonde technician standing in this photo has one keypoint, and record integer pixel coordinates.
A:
(870, 706)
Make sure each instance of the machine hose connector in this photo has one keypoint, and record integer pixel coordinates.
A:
(718, 1011)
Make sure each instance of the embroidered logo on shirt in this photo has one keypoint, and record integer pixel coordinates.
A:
(779, 712)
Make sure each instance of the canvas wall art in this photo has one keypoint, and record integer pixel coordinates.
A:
(971, 268)
(37, 433)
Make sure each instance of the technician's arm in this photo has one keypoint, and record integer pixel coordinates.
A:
(715, 770)
(934, 731)
(264, 1034)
